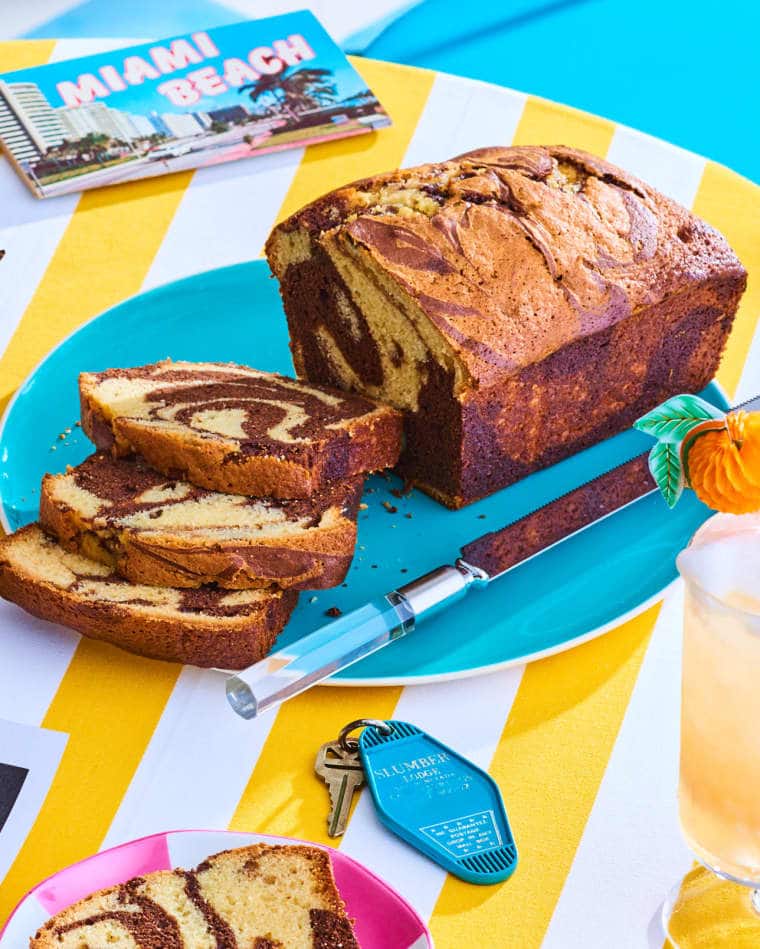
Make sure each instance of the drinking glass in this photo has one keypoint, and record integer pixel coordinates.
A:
(718, 903)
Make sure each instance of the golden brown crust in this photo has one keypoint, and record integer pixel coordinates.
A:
(518, 304)
(235, 898)
(99, 509)
(200, 630)
(366, 438)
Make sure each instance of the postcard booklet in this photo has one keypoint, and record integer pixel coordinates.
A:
(200, 99)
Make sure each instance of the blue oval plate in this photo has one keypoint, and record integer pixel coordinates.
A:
(571, 593)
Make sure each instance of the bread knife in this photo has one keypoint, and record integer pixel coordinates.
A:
(357, 634)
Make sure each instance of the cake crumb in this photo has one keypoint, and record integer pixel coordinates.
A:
(390, 508)
(334, 611)
(363, 506)
(408, 516)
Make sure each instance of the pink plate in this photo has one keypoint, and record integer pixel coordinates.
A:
(384, 920)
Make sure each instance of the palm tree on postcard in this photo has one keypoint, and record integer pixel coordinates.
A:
(293, 93)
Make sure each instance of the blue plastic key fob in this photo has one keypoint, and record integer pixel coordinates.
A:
(439, 802)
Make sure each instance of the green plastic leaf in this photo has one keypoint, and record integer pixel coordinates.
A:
(667, 471)
(673, 420)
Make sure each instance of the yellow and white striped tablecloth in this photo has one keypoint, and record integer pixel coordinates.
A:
(583, 745)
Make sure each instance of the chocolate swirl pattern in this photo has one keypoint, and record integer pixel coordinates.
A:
(238, 430)
(258, 897)
(170, 533)
(204, 627)
(518, 304)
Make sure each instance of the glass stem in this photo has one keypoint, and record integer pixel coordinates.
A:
(756, 901)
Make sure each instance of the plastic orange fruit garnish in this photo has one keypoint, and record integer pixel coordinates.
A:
(724, 465)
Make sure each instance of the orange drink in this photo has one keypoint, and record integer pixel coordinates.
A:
(719, 793)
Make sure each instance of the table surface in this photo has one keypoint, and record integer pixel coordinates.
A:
(583, 745)
(679, 70)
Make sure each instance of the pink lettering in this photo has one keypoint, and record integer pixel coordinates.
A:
(293, 50)
(181, 53)
(179, 92)
(114, 80)
(236, 72)
(137, 70)
(264, 60)
(205, 44)
(208, 81)
(85, 89)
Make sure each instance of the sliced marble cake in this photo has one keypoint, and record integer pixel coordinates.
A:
(230, 428)
(204, 627)
(258, 897)
(169, 533)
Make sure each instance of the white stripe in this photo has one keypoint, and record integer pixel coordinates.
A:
(670, 169)
(87, 46)
(196, 767)
(38, 751)
(749, 384)
(631, 852)
(32, 228)
(35, 657)
(468, 717)
(225, 216)
(462, 114)
(30, 235)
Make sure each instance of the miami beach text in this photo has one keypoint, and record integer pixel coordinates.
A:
(208, 80)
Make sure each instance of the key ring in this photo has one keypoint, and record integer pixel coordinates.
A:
(351, 744)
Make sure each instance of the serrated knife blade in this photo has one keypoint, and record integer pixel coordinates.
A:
(355, 635)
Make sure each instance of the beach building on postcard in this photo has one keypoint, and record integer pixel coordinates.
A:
(29, 125)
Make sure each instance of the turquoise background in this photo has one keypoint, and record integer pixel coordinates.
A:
(234, 314)
(682, 70)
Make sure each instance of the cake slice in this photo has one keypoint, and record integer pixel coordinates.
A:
(123, 513)
(518, 304)
(258, 897)
(238, 430)
(203, 627)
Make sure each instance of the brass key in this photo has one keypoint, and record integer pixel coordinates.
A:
(341, 770)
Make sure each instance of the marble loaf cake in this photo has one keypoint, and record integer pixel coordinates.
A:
(518, 304)
(170, 533)
(258, 897)
(230, 629)
(239, 430)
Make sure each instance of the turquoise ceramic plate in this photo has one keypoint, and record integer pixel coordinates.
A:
(573, 592)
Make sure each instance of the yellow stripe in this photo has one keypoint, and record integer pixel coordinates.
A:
(22, 54)
(546, 123)
(732, 205)
(403, 92)
(549, 763)
(283, 795)
(108, 703)
(103, 257)
(565, 717)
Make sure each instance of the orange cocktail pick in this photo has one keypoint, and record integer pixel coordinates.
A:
(714, 453)
(723, 466)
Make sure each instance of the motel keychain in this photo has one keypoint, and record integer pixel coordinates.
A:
(437, 801)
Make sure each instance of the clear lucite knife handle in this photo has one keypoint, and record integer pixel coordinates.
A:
(331, 648)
